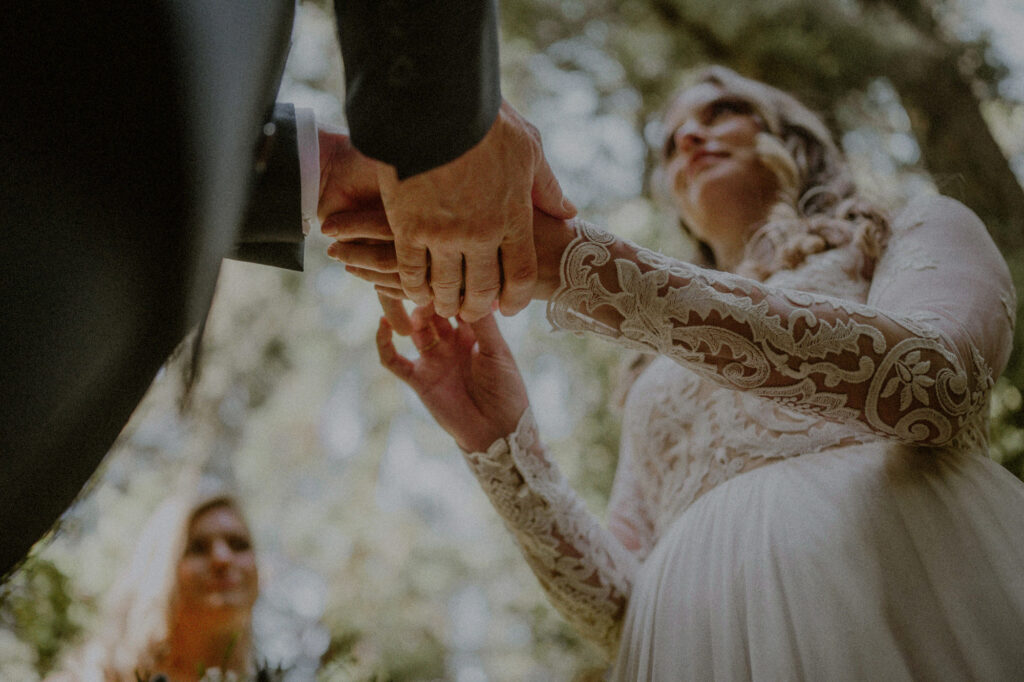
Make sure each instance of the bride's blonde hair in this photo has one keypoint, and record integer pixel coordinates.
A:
(819, 207)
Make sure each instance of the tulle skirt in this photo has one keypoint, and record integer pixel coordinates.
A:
(865, 563)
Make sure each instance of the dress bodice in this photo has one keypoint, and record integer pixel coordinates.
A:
(684, 434)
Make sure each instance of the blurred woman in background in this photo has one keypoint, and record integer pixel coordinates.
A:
(182, 609)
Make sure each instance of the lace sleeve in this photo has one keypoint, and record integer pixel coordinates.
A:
(904, 366)
(584, 570)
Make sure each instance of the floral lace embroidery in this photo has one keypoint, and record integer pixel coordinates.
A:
(585, 571)
(844, 361)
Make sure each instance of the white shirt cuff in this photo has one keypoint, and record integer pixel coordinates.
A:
(309, 165)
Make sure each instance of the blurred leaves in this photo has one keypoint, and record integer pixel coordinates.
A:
(38, 605)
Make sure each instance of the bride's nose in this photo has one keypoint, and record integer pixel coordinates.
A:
(689, 135)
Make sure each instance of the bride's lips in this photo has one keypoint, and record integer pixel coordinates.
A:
(700, 159)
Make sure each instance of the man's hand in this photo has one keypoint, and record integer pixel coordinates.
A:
(349, 191)
(463, 231)
(365, 245)
(348, 180)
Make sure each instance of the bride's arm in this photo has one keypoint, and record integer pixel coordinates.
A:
(585, 570)
(914, 364)
(467, 379)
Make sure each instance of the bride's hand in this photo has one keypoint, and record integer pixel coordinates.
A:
(465, 376)
(365, 245)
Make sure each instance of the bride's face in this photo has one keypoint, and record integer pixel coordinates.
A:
(714, 174)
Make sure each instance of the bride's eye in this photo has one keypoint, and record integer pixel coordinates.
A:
(239, 543)
(197, 546)
(724, 108)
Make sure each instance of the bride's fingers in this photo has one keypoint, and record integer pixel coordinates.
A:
(395, 314)
(391, 292)
(464, 335)
(347, 225)
(390, 359)
(425, 338)
(389, 279)
(369, 256)
(443, 327)
(422, 314)
(489, 337)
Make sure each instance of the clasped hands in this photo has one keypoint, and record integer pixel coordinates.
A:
(459, 236)
(489, 226)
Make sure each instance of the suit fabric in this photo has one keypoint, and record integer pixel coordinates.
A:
(130, 155)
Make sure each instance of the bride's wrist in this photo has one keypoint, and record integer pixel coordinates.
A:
(551, 238)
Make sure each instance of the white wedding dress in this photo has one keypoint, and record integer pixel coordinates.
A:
(803, 490)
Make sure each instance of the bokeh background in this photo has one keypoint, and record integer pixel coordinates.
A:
(380, 557)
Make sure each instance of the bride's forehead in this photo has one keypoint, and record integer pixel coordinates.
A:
(692, 100)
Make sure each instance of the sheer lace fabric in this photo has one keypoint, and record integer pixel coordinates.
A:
(898, 376)
(814, 359)
(582, 567)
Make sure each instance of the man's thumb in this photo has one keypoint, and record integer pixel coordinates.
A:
(547, 193)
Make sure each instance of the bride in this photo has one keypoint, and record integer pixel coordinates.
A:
(803, 490)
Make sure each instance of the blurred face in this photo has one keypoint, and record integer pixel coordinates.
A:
(218, 570)
(714, 174)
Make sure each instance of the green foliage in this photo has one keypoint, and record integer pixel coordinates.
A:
(1008, 426)
(37, 604)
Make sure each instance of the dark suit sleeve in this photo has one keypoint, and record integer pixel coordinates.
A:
(421, 77)
(272, 231)
(117, 207)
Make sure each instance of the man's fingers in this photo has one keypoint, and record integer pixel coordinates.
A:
(412, 270)
(366, 224)
(395, 314)
(519, 265)
(377, 257)
(483, 282)
(547, 193)
(446, 281)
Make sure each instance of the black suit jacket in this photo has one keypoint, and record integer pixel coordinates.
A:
(135, 157)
